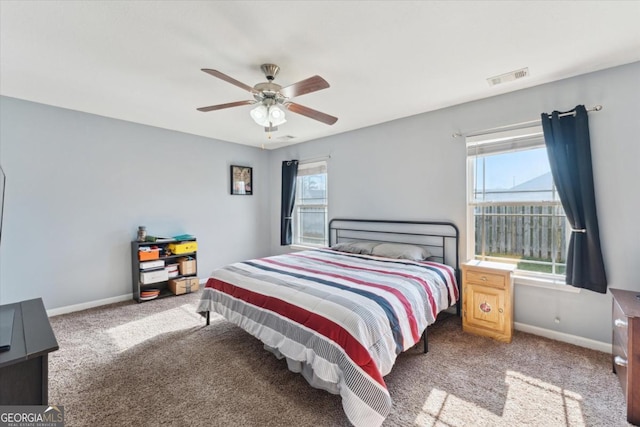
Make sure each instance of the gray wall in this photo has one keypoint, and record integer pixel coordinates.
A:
(78, 186)
(413, 169)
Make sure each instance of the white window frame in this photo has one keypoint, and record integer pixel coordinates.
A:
(505, 141)
(296, 223)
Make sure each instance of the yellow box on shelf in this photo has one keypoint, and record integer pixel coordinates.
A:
(182, 248)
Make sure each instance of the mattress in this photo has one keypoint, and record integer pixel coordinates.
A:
(339, 319)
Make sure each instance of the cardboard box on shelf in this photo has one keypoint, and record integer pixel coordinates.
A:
(184, 285)
(182, 248)
(187, 265)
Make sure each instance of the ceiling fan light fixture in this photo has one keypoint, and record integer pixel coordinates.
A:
(260, 115)
(268, 116)
(276, 115)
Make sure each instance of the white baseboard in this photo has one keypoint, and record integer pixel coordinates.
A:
(86, 305)
(98, 303)
(561, 336)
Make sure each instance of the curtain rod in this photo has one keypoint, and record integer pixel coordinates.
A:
(518, 125)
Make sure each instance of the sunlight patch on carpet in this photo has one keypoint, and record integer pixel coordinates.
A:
(529, 401)
(133, 333)
(445, 409)
(528, 397)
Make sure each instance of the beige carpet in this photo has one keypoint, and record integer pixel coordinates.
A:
(156, 363)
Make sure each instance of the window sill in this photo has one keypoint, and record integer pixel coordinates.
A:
(554, 284)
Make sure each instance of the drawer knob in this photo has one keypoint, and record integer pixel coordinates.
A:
(485, 307)
(483, 278)
(620, 323)
(620, 361)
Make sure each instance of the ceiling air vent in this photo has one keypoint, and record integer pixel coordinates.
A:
(286, 137)
(508, 77)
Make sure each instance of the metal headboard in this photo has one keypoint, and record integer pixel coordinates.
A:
(440, 238)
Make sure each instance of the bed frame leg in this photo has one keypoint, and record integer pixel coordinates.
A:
(426, 344)
(208, 312)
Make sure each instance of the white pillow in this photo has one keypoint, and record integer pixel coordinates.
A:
(363, 248)
(401, 250)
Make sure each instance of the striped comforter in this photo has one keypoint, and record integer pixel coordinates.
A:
(340, 319)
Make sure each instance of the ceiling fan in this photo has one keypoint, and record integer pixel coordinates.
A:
(270, 97)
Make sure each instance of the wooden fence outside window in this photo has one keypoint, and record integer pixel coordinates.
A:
(534, 234)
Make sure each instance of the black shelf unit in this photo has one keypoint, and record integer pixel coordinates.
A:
(163, 286)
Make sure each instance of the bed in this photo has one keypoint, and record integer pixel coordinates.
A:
(340, 315)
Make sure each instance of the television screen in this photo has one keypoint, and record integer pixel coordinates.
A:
(6, 313)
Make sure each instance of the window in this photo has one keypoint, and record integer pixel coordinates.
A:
(310, 209)
(514, 213)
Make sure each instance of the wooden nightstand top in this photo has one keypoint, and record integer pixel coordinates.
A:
(489, 264)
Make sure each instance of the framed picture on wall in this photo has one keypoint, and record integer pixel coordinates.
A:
(241, 180)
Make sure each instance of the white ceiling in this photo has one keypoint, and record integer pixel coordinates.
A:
(140, 61)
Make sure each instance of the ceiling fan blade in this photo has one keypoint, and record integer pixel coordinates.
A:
(312, 84)
(311, 113)
(228, 105)
(218, 74)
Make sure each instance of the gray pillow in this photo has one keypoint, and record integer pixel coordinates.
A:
(363, 248)
(401, 250)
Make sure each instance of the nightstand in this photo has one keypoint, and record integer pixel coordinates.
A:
(487, 299)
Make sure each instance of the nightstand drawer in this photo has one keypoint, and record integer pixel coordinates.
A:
(485, 279)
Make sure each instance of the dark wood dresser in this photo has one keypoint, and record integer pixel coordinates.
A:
(626, 348)
(24, 368)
